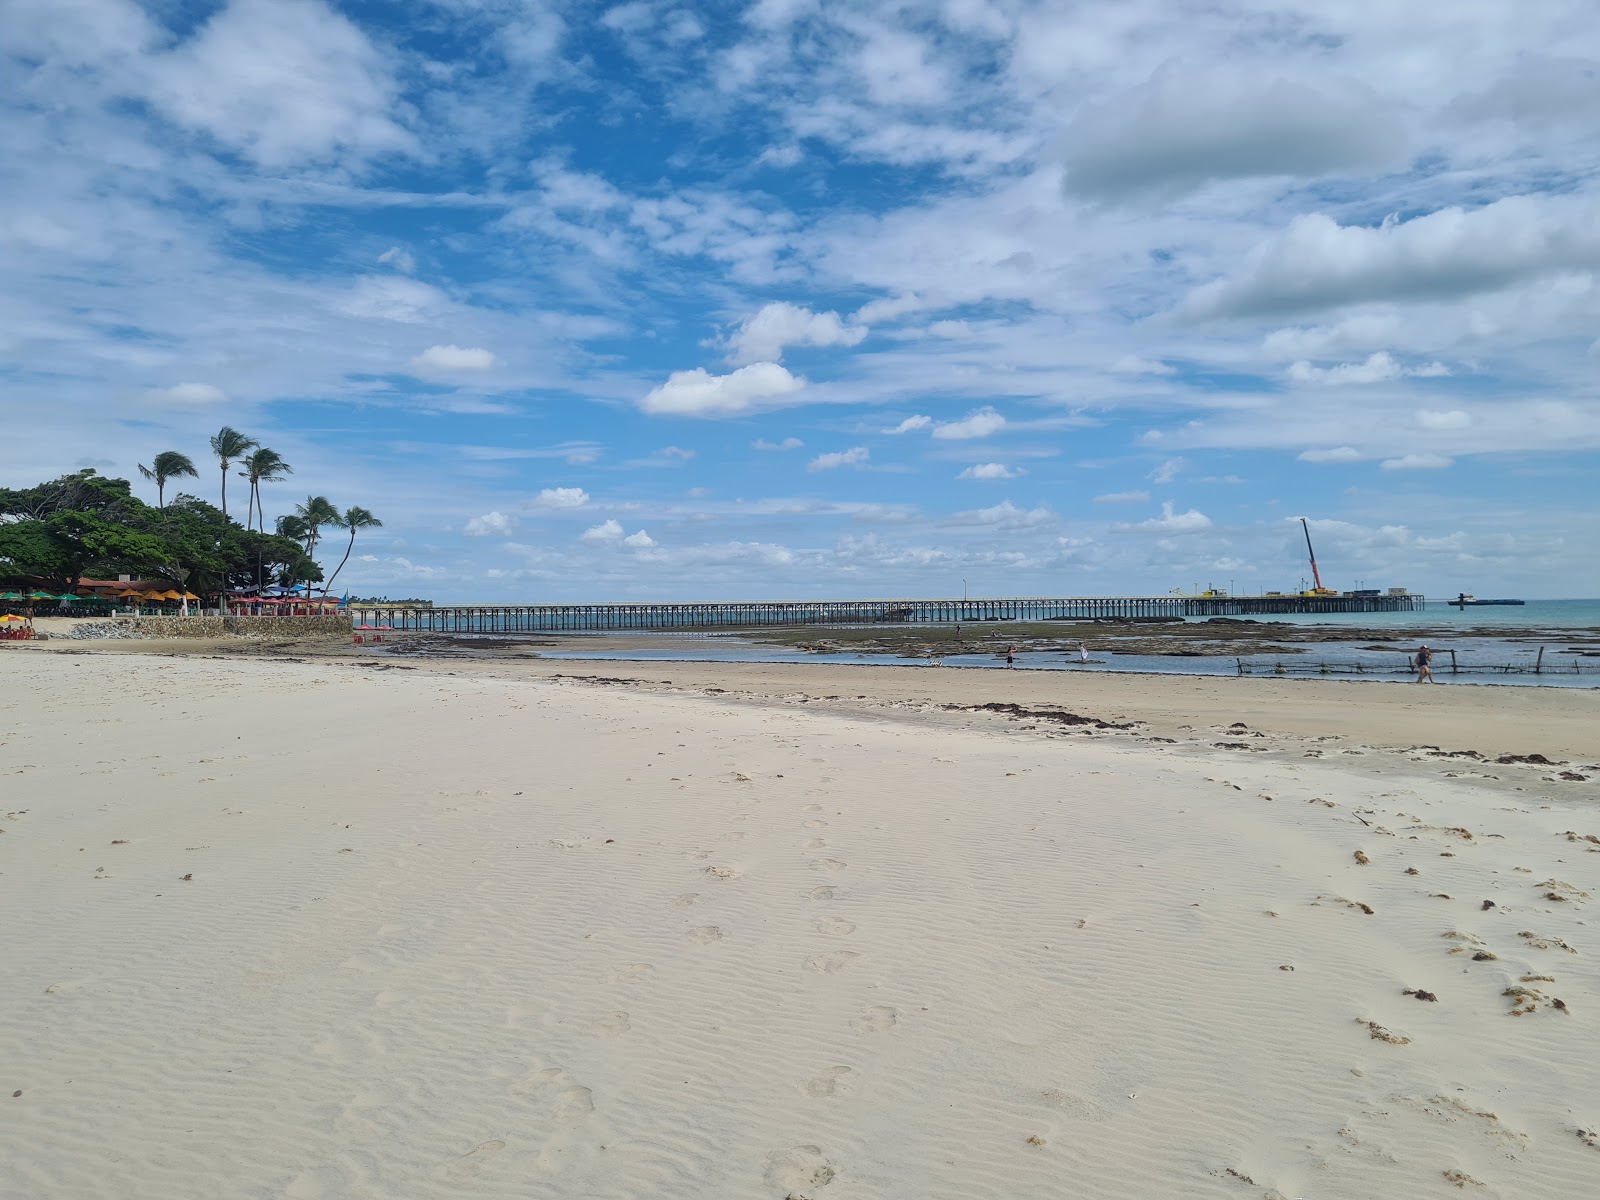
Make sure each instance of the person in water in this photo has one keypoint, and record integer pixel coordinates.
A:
(1011, 656)
(1424, 669)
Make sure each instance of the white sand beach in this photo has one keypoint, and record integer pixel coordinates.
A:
(380, 931)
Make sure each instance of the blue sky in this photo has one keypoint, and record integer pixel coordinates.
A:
(797, 299)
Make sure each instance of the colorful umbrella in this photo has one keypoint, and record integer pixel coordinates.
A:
(8, 618)
(40, 596)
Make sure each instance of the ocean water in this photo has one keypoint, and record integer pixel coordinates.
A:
(1517, 646)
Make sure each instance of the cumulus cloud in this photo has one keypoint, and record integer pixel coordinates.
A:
(977, 424)
(1335, 454)
(491, 524)
(765, 336)
(190, 395)
(698, 393)
(1004, 515)
(1132, 364)
(1316, 263)
(561, 497)
(991, 471)
(454, 358)
(607, 531)
(911, 425)
(854, 457)
(1169, 521)
(1432, 419)
(788, 443)
(1181, 129)
(1417, 462)
(1378, 368)
(281, 82)
(1167, 471)
(1123, 498)
(639, 541)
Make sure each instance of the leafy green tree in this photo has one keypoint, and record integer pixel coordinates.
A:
(228, 444)
(354, 518)
(262, 466)
(169, 464)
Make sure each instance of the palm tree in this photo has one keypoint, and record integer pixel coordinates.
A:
(261, 466)
(229, 444)
(316, 512)
(354, 518)
(169, 464)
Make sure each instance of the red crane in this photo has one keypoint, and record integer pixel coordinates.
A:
(1316, 578)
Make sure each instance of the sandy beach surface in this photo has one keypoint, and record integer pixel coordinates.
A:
(348, 926)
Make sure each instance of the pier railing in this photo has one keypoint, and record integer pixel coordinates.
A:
(533, 618)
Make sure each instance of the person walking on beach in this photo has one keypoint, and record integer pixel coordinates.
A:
(1424, 670)
(1083, 653)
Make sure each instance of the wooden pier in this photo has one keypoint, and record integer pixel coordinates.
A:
(533, 618)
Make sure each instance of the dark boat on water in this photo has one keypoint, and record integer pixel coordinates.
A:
(1464, 600)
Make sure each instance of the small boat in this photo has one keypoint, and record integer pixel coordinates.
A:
(1466, 600)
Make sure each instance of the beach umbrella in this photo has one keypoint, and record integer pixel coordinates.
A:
(8, 618)
(40, 596)
(10, 595)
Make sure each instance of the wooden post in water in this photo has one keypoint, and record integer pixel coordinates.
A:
(1538, 665)
(1453, 669)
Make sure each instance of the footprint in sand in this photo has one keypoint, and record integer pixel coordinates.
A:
(631, 972)
(814, 823)
(837, 926)
(835, 1081)
(876, 1019)
(472, 1161)
(722, 873)
(574, 1103)
(606, 1025)
(835, 960)
(813, 808)
(800, 1167)
(683, 901)
(705, 934)
(829, 864)
(825, 892)
(815, 844)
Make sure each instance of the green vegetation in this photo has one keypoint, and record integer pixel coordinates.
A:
(85, 525)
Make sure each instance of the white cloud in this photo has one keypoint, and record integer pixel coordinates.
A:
(1123, 498)
(1379, 367)
(1448, 254)
(190, 395)
(1004, 515)
(854, 457)
(765, 336)
(639, 541)
(559, 498)
(698, 393)
(391, 298)
(1181, 129)
(991, 471)
(1167, 471)
(1176, 522)
(1336, 454)
(1132, 364)
(788, 443)
(454, 358)
(977, 424)
(1417, 462)
(491, 524)
(400, 259)
(911, 424)
(1432, 419)
(676, 452)
(282, 82)
(607, 531)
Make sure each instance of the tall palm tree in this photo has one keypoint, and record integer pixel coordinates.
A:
(228, 445)
(354, 518)
(316, 512)
(261, 466)
(169, 464)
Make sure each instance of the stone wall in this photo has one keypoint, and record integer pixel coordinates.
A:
(327, 625)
